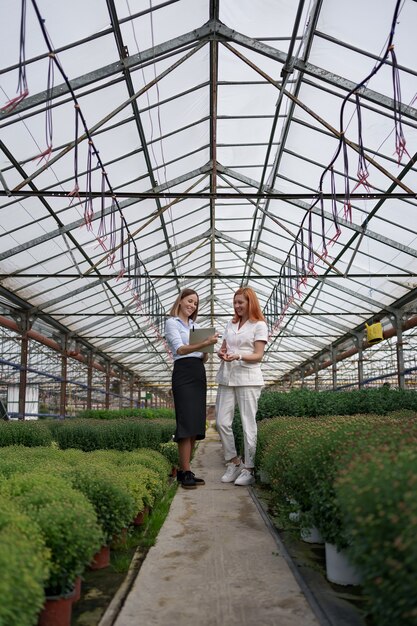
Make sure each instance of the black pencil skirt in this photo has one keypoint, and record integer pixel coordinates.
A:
(189, 388)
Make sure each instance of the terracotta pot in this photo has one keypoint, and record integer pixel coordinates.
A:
(140, 517)
(101, 559)
(77, 589)
(121, 538)
(57, 611)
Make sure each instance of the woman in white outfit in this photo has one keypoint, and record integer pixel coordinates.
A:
(240, 381)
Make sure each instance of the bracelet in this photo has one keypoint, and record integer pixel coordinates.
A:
(240, 357)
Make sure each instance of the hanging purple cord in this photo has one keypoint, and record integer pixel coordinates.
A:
(130, 265)
(88, 204)
(290, 288)
(323, 226)
(268, 315)
(122, 269)
(281, 301)
(112, 234)
(76, 191)
(297, 268)
(334, 212)
(102, 230)
(284, 283)
(310, 263)
(22, 85)
(276, 302)
(347, 207)
(48, 111)
(362, 171)
(303, 261)
(137, 280)
(400, 142)
(88, 207)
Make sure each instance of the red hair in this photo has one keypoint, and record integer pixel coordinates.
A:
(254, 308)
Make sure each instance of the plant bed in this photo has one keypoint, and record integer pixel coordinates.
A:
(338, 604)
(126, 557)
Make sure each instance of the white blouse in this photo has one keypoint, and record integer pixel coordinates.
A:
(177, 334)
(242, 341)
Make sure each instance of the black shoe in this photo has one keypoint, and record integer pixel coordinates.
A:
(187, 480)
(198, 481)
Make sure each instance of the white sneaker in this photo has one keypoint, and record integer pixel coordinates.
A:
(231, 473)
(245, 478)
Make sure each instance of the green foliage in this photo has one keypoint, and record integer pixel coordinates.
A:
(20, 459)
(307, 403)
(110, 414)
(144, 484)
(105, 488)
(24, 433)
(142, 537)
(151, 459)
(24, 566)
(238, 432)
(377, 497)
(63, 493)
(303, 457)
(118, 484)
(66, 520)
(157, 517)
(121, 434)
(354, 478)
(279, 441)
(170, 451)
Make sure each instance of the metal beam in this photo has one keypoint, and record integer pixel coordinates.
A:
(129, 63)
(228, 34)
(358, 229)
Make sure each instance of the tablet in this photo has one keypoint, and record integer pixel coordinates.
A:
(199, 334)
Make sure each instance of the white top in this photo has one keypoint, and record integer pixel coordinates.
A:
(178, 334)
(242, 341)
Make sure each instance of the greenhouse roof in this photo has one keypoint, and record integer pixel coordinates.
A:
(208, 144)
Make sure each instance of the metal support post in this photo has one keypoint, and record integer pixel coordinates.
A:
(334, 368)
(89, 379)
(24, 323)
(64, 373)
(107, 400)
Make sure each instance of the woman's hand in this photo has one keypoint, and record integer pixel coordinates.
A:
(222, 352)
(211, 340)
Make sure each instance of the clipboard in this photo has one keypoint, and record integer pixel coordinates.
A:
(199, 334)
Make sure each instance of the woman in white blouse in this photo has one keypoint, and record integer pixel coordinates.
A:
(189, 384)
(240, 381)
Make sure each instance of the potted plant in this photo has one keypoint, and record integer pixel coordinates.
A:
(69, 527)
(24, 566)
(103, 486)
(376, 494)
(142, 483)
(170, 451)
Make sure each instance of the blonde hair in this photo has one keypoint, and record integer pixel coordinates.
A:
(176, 306)
(254, 308)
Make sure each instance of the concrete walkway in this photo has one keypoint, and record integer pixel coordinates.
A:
(215, 562)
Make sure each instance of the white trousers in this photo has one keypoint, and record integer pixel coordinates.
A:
(247, 401)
